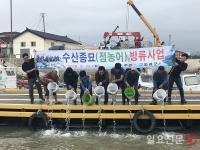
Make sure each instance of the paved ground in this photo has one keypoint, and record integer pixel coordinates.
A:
(21, 97)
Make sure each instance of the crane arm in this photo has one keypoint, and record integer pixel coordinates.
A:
(156, 37)
(107, 42)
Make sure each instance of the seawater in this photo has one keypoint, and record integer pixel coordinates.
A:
(18, 138)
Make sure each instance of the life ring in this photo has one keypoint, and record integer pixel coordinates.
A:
(39, 120)
(144, 130)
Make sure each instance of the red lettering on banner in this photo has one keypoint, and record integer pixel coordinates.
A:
(152, 54)
(160, 54)
(142, 55)
(133, 55)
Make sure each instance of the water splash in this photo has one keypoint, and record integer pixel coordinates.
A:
(83, 119)
(50, 110)
(67, 119)
(114, 121)
(164, 120)
(130, 113)
(53, 133)
(100, 121)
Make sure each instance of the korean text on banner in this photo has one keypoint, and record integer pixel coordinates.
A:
(91, 59)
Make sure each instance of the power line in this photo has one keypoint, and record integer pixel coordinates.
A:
(37, 24)
(54, 29)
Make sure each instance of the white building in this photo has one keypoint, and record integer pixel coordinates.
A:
(30, 40)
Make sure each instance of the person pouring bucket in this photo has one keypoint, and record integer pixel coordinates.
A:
(71, 80)
(50, 77)
(131, 81)
(160, 81)
(117, 76)
(102, 79)
(85, 85)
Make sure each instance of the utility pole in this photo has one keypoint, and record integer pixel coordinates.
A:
(43, 21)
(11, 30)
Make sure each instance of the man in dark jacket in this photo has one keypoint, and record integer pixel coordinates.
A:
(71, 80)
(102, 79)
(131, 80)
(174, 76)
(33, 77)
(160, 81)
(117, 76)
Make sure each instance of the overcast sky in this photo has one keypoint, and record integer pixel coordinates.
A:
(87, 20)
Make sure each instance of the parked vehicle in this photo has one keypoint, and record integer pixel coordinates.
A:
(22, 83)
(146, 82)
(8, 77)
(191, 82)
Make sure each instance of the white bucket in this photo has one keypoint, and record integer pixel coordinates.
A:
(70, 95)
(112, 88)
(52, 87)
(160, 94)
(99, 91)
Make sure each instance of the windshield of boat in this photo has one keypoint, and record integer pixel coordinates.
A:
(192, 80)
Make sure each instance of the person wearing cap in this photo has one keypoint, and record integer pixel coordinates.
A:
(174, 76)
(117, 76)
(50, 76)
(102, 79)
(33, 77)
(160, 81)
(85, 84)
(131, 80)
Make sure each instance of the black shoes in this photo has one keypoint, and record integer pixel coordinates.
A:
(58, 103)
(130, 103)
(97, 102)
(74, 102)
(42, 100)
(153, 102)
(32, 101)
(183, 102)
(169, 102)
